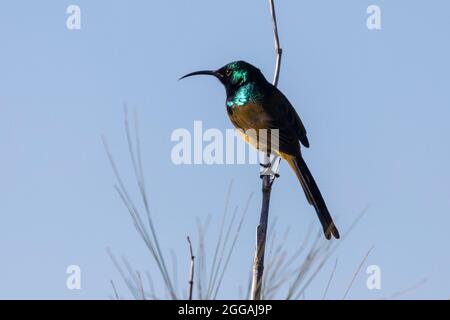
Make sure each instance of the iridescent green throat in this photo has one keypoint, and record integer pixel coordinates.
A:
(249, 92)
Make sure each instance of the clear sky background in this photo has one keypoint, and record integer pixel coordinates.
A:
(376, 106)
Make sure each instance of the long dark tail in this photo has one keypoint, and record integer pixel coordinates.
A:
(313, 195)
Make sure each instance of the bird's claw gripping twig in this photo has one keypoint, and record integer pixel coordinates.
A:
(271, 168)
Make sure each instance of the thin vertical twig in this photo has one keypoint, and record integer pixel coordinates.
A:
(356, 273)
(267, 181)
(214, 268)
(148, 234)
(141, 285)
(216, 271)
(116, 295)
(278, 49)
(233, 244)
(261, 236)
(201, 260)
(173, 256)
(191, 269)
(330, 280)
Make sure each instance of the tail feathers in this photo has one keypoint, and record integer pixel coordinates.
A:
(313, 195)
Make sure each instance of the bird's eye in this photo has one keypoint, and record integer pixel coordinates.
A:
(228, 72)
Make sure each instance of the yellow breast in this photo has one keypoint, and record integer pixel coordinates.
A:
(250, 120)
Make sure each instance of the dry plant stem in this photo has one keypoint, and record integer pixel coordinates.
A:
(408, 290)
(261, 231)
(148, 234)
(191, 270)
(141, 285)
(116, 295)
(233, 245)
(214, 268)
(329, 280)
(356, 273)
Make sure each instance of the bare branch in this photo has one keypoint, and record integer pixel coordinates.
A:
(278, 50)
(191, 272)
(267, 180)
(261, 235)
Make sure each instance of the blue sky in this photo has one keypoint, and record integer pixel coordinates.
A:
(375, 104)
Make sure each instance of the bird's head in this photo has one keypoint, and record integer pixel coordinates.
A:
(233, 75)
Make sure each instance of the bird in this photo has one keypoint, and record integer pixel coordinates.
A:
(254, 104)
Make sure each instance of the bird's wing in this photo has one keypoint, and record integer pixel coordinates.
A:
(284, 117)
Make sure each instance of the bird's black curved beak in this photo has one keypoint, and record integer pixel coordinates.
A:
(204, 72)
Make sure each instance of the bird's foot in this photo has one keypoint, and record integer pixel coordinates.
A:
(271, 168)
(265, 165)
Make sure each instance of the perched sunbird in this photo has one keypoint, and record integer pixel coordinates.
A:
(254, 104)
